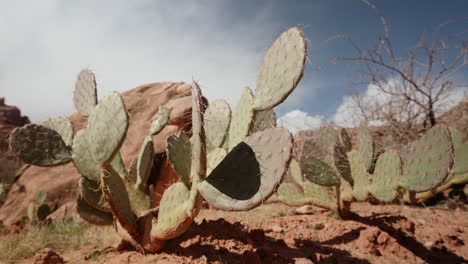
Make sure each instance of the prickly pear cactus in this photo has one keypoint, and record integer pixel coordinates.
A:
(39, 145)
(242, 119)
(214, 158)
(179, 152)
(263, 120)
(85, 94)
(217, 119)
(160, 120)
(386, 177)
(345, 139)
(93, 215)
(63, 127)
(144, 162)
(281, 70)
(264, 157)
(360, 176)
(427, 161)
(366, 147)
(92, 194)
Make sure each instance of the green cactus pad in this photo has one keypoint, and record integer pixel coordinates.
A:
(172, 218)
(250, 172)
(291, 190)
(144, 162)
(40, 196)
(345, 139)
(217, 120)
(460, 165)
(179, 152)
(107, 127)
(214, 158)
(346, 193)
(117, 197)
(85, 94)
(386, 177)
(318, 195)
(39, 145)
(242, 119)
(93, 195)
(327, 138)
(427, 161)
(318, 171)
(457, 137)
(281, 69)
(63, 126)
(366, 147)
(342, 162)
(43, 211)
(360, 176)
(159, 120)
(92, 215)
(263, 120)
(198, 158)
(139, 200)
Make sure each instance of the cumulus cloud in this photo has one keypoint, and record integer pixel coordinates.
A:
(298, 120)
(126, 43)
(348, 114)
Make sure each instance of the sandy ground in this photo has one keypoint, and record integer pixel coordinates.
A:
(275, 234)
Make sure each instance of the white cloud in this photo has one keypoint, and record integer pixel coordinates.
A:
(126, 43)
(298, 120)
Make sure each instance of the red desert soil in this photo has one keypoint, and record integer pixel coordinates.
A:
(274, 234)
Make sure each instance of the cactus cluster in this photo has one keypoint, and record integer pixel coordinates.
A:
(363, 173)
(233, 161)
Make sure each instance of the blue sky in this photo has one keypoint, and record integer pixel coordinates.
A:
(218, 43)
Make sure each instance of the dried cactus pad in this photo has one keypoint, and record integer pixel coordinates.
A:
(144, 162)
(365, 146)
(107, 127)
(281, 70)
(263, 120)
(428, 161)
(172, 218)
(217, 120)
(93, 215)
(39, 145)
(242, 119)
(250, 172)
(160, 120)
(179, 153)
(63, 126)
(386, 177)
(85, 94)
(360, 176)
(93, 195)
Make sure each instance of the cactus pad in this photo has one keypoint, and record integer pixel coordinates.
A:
(345, 139)
(217, 120)
(214, 158)
(318, 195)
(427, 161)
(93, 215)
(117, 197)
(250, 172)
(85, 94)
(242, 119)
(291, 190)
(179, 152)
(93, 195)
(341, 162)
(172, 218)
(63, 126)
(43, 211)
(160, 120)
(39, 145)
(139, 200)
(263, 120)
(319, 172)
(360, 175)
(460, 165)
(107, 127)
(365, 146)
(386, 177)
(281, 69)
(144, 162)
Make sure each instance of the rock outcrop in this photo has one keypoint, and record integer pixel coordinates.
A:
(142, 103)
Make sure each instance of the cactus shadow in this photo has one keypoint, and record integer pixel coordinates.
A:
(219, 240)
(384, 223)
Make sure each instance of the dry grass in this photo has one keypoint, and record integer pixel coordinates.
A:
(60, 236)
